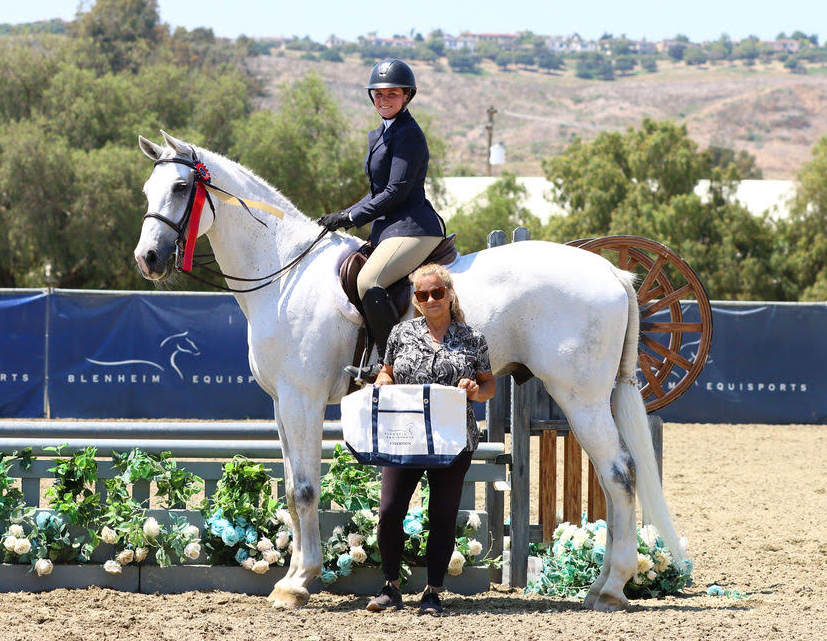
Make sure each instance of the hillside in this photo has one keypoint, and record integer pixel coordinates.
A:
(769, 112)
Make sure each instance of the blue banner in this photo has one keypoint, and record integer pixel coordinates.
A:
(23, 355)
(764, 366)
(151, 356)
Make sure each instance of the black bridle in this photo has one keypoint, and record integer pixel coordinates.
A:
(184, 262)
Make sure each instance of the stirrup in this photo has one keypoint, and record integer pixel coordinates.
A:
(365, 375)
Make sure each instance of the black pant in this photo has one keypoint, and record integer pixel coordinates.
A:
(398, 485)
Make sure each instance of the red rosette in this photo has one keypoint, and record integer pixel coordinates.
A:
(203, 172)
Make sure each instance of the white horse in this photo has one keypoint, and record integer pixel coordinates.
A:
(568, 315)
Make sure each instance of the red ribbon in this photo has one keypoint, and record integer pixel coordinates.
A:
(192, 231)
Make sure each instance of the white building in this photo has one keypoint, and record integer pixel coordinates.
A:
(758, 196)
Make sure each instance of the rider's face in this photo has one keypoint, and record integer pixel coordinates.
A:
(388, 102)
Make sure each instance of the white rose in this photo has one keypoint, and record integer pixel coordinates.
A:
(109, 535)
(248, 563)
(637, 579)
(473, 521)
(113, 567)
(140, 554)
(16, 530)
(284, 516)
(9, 542)
(580, 539)
(568, 532)
(456, 563)
(192, 531)
(264, 544)
(43, 567)
(192, 551)
(474, 547)
(663, 559)
(22, 546)
(600, 537)
(125, 557)
(271, 556)
(338, 531)
(649, 535)
(354, 539)
(151, 528)
(358, 554)
(651, 575)
(260, 567)
(644, 563)
(282, 540)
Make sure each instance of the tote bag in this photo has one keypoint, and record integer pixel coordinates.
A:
(405, 425)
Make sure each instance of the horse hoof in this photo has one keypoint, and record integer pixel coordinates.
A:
(610, 603)
(589, 601)
(288, 598)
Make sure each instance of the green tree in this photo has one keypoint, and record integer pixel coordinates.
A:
(649, 64)
(121, 30)
(694, 56)
(464, 61)
(549, 60)
(676, 51)
(500, 206)
(504, 58)
(742, 166)
(305, 149)
(624, 65)
(804, 233)
(642, 182)
(524, 58)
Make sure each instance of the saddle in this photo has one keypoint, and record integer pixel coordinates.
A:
(400, 292)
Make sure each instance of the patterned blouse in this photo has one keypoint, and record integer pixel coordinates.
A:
(463, 353)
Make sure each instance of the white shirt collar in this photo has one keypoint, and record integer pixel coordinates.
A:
(388, 123)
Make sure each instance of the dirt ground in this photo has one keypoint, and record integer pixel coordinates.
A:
(750, 498)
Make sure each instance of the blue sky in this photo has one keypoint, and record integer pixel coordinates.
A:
(654, 20)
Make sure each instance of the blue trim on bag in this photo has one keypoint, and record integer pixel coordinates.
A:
(374, 419)
(426, 405)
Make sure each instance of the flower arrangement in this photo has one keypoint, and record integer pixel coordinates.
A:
(573, 561)
(355, 544)
(245, 524)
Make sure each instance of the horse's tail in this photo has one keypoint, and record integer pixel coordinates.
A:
(630, 416)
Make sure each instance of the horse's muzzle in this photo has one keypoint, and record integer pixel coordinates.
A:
(153, 266)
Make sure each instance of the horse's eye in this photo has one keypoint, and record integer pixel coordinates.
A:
(179, 187)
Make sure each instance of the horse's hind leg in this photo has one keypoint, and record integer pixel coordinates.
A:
(597, 434)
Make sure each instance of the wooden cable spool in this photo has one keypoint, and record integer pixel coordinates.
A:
(665, 279)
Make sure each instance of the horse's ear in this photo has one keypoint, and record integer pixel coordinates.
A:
(150, 149)
(180, 147)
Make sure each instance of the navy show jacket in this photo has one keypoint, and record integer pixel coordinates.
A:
(396, 164)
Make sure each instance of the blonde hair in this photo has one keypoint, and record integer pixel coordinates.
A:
(432, 269)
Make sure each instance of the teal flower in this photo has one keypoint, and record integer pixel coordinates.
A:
(251, 536)
(240, 520)
(56, 521)
(218, 526)
(241, 555)
(411, 527)
(328, 577)
(345, 564)
(42, 520)
(230, 536)
(240, 532)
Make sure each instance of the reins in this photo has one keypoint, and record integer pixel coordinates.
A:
(200, 193)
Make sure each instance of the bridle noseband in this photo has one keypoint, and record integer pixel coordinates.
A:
(188, 226)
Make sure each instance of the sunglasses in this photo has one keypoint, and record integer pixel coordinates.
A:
(437, 293)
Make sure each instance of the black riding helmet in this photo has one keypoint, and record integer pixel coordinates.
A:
(390, 73)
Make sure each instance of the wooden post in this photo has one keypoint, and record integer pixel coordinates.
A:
(548, 483)
(497, 415)
(521, 397)
(596, 498)
(572, 483)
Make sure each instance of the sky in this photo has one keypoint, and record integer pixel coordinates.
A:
(651, 19)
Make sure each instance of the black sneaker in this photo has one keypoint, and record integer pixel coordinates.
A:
(389, 597)
(429, 603)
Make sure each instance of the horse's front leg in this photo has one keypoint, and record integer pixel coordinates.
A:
(300, 422)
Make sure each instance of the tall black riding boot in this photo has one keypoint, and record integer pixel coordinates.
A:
(381, 316)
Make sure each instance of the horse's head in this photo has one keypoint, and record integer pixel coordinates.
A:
(169, 193)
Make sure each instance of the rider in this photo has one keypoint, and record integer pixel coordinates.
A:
(405, 227)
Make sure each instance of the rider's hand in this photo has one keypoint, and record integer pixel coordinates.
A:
(336, 220)
(471, 388)
(383, 379)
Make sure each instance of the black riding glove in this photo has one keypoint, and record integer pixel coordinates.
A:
(336, 220)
